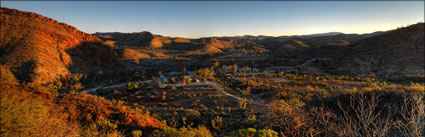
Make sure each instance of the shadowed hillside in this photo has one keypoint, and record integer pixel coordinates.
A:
(395, 53)
(311, 45)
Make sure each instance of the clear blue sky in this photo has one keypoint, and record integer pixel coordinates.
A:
(220, 18)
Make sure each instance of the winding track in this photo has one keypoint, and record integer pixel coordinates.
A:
(218, 86)
(93, 90)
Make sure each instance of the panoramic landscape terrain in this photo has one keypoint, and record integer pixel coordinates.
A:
(57, 80)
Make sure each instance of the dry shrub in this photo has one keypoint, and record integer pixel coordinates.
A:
(364, 117)
(412, 121)
(201, 131)
(102, 128)
(89, 108)
(323, 121)
(290, 120)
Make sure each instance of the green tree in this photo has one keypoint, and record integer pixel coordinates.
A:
(132, 86)
(243, 103)
(235, 68)
(217, 123)
(216, 64)
(247, 91)
(267, 133)
(188, 80)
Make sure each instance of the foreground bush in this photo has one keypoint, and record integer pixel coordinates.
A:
(102, 128)
(25, 114)
(89, 108)
(28, 111)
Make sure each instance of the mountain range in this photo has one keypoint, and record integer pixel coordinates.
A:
(38, 49)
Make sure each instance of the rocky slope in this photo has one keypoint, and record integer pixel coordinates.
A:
(37, 49)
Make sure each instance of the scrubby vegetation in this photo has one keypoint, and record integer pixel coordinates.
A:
(177, 87)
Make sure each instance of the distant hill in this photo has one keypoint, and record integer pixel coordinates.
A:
(141, 39)
(330, 46)
(394, 53)
(323, 34)
(279, 45)
(38, 49)
(148, 40)
(311, 46)
(281, 38)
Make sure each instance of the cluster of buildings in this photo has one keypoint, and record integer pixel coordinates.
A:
(166, 80)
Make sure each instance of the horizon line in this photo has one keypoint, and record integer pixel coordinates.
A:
(281, 35)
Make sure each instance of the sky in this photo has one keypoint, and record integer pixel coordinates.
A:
(228, 18)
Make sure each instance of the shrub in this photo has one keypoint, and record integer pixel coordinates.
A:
(242, 103)
(412, 116)
(267, 133)
(136, 133)
(201, 131)
(102, 128)
(364, 117)
(217, 123)
(291, 120)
